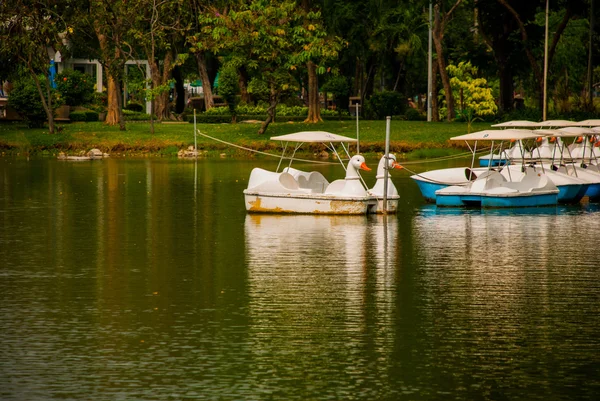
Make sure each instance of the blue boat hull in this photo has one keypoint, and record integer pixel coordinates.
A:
(495, 162)
(428, 189)
(468, 200)
(593, 192)
(458, 200)
(519, 201)
(571, 193)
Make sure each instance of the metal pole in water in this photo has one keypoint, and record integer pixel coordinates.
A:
(357, 134)
(385, 164)
(195, 134)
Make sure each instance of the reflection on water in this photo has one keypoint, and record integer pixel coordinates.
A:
(146, 279)
(520, 288)
(320, 293)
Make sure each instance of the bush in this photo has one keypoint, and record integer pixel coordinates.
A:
(26, 101)
(75, 88)
(414, 115)
(138, 108)
(382, 104)
(77, 116)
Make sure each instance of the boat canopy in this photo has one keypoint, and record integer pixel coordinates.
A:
(558, 123)
(517, 124)
(313, 137)
(575, 131)
(498, 135)
(589, 123)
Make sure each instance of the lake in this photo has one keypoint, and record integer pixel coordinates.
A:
(145, 279)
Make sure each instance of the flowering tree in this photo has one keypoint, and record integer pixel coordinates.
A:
(475, 99)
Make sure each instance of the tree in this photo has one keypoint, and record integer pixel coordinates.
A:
(28, 30)
(229, 87)
(100, 32)
(269, 38)
(157, 29)
(475, 98)
(525, 20)
(439, 27)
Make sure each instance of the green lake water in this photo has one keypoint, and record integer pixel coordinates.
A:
(147, 280)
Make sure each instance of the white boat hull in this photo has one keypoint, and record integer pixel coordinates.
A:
(257, 202)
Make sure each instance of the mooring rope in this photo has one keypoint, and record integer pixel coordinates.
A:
(437, 159)
(263, 153)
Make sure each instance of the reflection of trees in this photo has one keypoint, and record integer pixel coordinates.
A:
(496, 287)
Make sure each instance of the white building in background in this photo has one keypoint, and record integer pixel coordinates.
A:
(94, 69)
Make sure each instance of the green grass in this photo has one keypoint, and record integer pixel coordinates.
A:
(415, 138)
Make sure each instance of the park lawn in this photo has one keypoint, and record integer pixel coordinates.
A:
(412, 139)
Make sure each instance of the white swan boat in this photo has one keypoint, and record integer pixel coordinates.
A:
(378, 189)
(295, 191)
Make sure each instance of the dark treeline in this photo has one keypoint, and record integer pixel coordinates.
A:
(488, 55)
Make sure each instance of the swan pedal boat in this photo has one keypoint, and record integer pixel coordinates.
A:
(299, 192)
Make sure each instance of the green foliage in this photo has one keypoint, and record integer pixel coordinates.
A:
(25, 99)
(229, 87)
(383, 104)
(134, 107)
(76, 88)
(339, 87)
(414, 115)
(83, 115)
(474, 98)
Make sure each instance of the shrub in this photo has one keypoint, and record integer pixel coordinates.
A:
(75, 88)
(414, 115)
(26, 101)
(77, 116)
(338, 85)
(138, 108)
(229, 87)
(382, 104)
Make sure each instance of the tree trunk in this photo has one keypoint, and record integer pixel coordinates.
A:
(505, 103)
(159, 79)
(435, 111)
(314, 109)
(438, 36)
(179, 90)
(273, 100)
(243, 83)
(112, 114)
(46, 100)
(206, 88)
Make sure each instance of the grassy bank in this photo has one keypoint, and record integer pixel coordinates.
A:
(410, 139)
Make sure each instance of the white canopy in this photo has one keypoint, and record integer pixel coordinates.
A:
(557, 123)
(589, 123)
(498, 135)
(313, 136)
(576, 131)
(515, 124)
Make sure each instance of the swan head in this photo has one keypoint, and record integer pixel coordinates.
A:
(391, 163)
(358, 162)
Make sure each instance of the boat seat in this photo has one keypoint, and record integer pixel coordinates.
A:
(288, 181)
(470, 174)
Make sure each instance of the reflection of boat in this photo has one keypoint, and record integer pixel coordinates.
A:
(293, 191)
(325, 274)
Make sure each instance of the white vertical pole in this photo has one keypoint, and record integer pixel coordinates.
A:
(385, 164)
(545, 105)
(429, 65)
(357, 133)
(195, 134)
